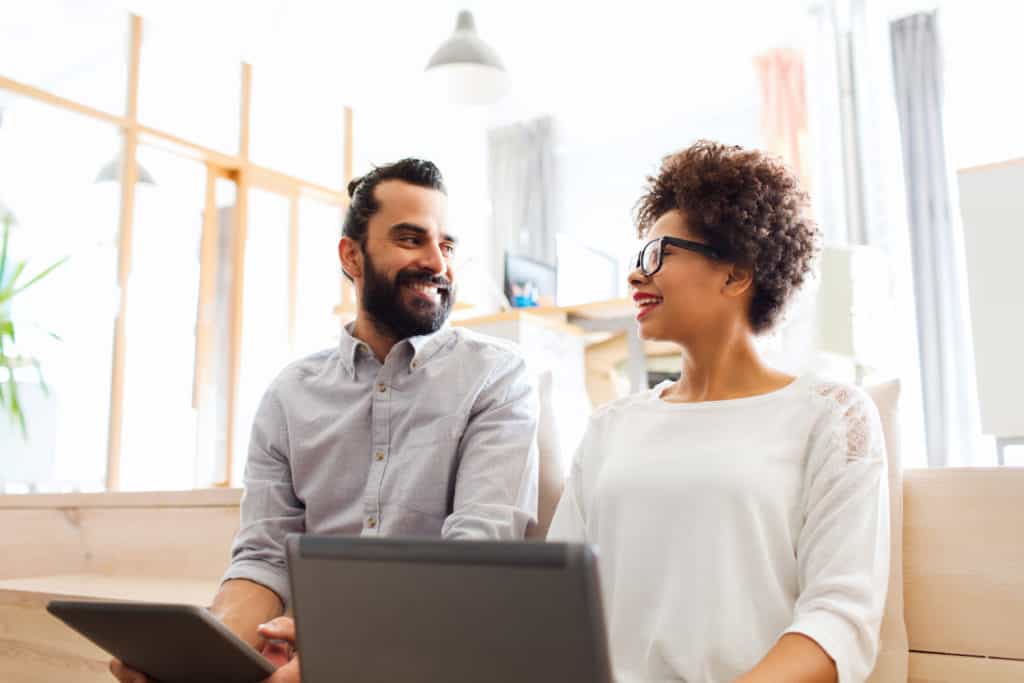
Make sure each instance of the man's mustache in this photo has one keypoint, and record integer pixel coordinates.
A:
(422, 277)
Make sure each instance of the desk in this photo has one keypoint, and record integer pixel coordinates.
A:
(35, 646)
(155, 547)
(598, 321)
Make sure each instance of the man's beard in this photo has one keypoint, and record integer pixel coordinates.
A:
(385, 303)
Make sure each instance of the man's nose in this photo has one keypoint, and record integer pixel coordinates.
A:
(432, 258)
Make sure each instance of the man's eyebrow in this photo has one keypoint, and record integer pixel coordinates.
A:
(420, 230)
(408, 227)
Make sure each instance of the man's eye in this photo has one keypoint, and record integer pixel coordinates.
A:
(448, 249)
(409, 239)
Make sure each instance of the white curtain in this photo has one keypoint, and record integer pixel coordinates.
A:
(946, 353)
(522, 180)
(858, 194)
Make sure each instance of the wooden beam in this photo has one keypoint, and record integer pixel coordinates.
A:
(347, 293)
(346, 175)
(282, 182)
(129, 172)
(293, 269)
(244, 112)
(238, 239)
(40, 95)
(207, 290)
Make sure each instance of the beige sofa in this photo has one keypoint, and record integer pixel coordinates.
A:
(963, 561)
(957, 580)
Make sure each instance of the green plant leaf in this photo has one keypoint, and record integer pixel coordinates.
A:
(3, 250)
(8, 289)
(16, 411)
(39, 374)
(40, 276)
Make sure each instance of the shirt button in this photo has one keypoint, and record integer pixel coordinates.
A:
(371, 522)
(379, 455)
(414, 365)
(382, 388)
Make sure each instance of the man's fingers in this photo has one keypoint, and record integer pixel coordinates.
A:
(282, 628)
(124, 674)
(288, 673)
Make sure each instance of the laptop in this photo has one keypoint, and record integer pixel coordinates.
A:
(385, 610)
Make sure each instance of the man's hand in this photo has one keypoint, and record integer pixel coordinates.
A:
(279, 649)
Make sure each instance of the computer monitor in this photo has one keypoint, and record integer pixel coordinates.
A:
(529, 282)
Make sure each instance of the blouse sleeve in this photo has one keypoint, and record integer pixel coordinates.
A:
(843, 545)
(569, 522)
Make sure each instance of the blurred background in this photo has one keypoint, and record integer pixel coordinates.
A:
(182, 166)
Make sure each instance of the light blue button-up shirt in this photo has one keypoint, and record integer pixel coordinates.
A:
(438, 441)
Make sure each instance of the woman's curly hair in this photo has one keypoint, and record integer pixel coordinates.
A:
(748, 206)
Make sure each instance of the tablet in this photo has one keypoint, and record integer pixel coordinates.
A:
(169, 643)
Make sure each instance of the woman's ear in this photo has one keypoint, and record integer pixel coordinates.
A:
(351, 256)
(738, 280)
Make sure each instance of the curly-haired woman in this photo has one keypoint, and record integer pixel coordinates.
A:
(740, 513)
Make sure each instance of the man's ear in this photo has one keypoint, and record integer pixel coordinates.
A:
(350, 253)
(738, 280)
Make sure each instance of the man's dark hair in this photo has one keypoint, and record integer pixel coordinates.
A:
(363, 205)
(748, 206)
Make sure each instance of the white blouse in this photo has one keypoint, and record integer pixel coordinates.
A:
(722, 525)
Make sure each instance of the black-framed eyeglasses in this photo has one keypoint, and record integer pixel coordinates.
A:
(650, 258)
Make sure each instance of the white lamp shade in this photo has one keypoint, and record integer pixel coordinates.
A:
(467, 69)
(468, 84)
(111, 172)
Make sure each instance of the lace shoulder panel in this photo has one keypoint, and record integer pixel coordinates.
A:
(855, 427)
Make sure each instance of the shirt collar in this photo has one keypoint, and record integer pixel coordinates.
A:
(423, 347)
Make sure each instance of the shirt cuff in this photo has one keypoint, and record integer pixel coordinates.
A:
(263, 573)
(832, 633)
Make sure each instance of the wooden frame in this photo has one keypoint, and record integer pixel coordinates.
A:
(237, 167)
(129, 170)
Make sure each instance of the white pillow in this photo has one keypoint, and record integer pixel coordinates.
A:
(551, 479)
(893, 653)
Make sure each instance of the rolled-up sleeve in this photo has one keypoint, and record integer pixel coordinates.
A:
(496, 483)
(270, 509)
(843, 547)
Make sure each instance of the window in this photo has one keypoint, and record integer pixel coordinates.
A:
(162, 303)
(49, 161)
(70, 48)
(147, 308)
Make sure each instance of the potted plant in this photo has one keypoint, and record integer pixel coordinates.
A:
(11, 285)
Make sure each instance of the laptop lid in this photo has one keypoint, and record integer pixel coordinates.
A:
(415, 611)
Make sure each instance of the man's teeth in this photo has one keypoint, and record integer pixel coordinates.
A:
(431, 290)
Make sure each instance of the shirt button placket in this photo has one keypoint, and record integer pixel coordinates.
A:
(380, 436)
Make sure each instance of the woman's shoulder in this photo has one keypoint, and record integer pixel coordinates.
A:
(623, 406)
(835, 398)
(848, 418)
